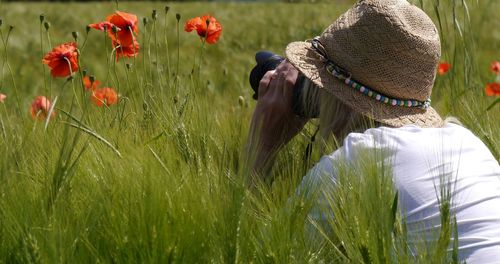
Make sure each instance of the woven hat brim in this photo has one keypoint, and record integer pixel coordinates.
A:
(307, 61)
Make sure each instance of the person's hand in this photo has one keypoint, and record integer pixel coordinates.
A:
(273, 117)
(274, 123)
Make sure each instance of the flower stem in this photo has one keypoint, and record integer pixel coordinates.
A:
(107, 58)
(166, 48)
(200, 62)
(49, 48)
(157, 58)
(46, 91)
(178, 58)
(6, 61)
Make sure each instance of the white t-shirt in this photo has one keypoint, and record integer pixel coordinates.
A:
(418, 157)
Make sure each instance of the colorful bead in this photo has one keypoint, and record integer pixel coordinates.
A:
(330, 67)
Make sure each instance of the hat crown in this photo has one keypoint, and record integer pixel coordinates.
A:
(390, 46)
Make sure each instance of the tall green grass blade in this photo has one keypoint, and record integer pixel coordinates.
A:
(95, 135)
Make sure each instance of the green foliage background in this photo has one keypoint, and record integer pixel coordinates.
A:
(159, 177)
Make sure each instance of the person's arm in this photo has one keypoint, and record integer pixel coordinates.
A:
(274, 123)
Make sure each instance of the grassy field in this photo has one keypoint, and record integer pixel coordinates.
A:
(160, 177)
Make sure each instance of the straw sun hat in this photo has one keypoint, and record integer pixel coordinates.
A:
(379, 58)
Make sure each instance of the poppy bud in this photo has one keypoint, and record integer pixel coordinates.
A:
(42, 18)
(84, 72)
(114, 29)
(178, 16)
(154, 15)
(128, 66)
(145, 21)
(1, 22)
(46, 25)
(87, 29)
(11, 28)
(92, 79)
(70, 78)
(166, 9)
(208, 22)
(75, 35)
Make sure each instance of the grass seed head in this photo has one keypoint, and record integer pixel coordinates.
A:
(241, 101)
(154, 15)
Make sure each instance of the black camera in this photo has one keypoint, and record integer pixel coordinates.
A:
(305, 95)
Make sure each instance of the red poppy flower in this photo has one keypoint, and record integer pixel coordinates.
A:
(62, 60)
(2, 97)
(105, 96)
(90, 85)
(127, 23)
(211, 33)
(443, 68)
(495, 67)
(126, 51)
(492, 89)
(40, 108)
(103, 26)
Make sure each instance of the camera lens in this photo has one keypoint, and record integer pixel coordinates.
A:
(266, 61)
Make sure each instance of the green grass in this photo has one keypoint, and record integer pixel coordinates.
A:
(160, 176)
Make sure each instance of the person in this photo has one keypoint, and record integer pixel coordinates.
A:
(374, 69)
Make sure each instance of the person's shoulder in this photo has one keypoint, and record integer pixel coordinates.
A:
(374, 137)
(409, 137)
(388, 133)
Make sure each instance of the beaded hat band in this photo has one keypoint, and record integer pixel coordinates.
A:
(344, 76)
